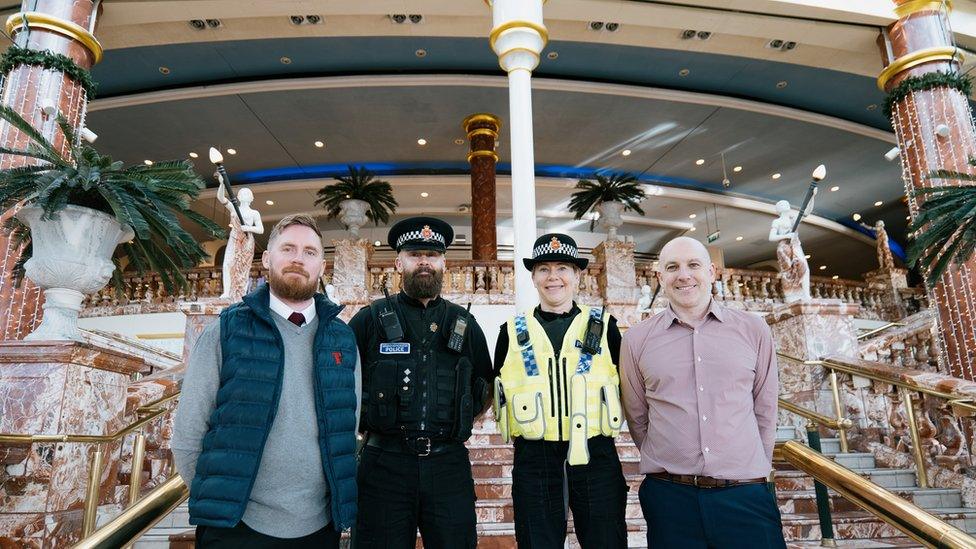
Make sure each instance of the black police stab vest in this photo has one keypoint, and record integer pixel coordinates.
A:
(421, 392)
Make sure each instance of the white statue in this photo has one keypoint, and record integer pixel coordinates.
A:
(239, 254)
(886, 262)
(644, 303)
(330, 292)
(793, 268)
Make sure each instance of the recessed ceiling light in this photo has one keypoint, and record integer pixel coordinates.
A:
(781, 84)
(823, 267)
(807, 256)
(776, 176)
(872, 107)
(738, 238)
(421, 141)
(856, 217)
(700, 161)
(908, 218)
(319, 144)
(834, 189)
(684, 72)
(147, 162)
(626, 152)
(692, 229)
(878, 203)
(692, 216)
(231, 151)
(269, 202)
(459, 141)
(420, 53)
(164, 71)
(553, 55)
(835, 277)
(377, 243)
(737, 169)
(285, 60)
(194, 155)
(424, 194)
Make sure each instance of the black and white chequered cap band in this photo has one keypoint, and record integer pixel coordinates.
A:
(425, 234)
(554, 246)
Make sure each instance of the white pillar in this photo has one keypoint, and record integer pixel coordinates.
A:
(518, 37)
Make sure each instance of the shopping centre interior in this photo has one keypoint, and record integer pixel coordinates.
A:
(719, 108)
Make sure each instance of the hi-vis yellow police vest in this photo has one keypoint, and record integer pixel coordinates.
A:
(570, 399)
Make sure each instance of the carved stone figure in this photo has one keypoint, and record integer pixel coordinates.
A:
(793, 268)
(644, 303)
(239, 254)
(885, 260)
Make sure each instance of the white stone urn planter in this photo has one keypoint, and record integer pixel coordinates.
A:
(72, 256)
(352, 214)
(610, 217)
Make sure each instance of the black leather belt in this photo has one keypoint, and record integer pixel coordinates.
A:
(705, 482)
(417, 446)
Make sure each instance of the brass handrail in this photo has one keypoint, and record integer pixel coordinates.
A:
(843, 423)
(879, 329)
(139, 518)
(914, 521)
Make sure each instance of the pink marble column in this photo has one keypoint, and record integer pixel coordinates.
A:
(57, 388)
(350, 274)
(198, 316)
(618, 280)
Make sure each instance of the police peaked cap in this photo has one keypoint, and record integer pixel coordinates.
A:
(420, 233)
(555, 247)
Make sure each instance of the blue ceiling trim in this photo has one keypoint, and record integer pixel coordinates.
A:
(136, 70)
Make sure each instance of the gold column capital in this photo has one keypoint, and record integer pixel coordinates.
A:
(482, 117)
(916, 58)
(905, 8)
(38, 20)
(517, 24)
(475, 154)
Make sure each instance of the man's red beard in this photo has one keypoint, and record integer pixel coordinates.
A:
(291, 288)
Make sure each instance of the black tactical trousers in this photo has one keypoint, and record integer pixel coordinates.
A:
(597, 495)
(400, 492)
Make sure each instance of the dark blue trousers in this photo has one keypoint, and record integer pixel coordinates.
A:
(685, 517)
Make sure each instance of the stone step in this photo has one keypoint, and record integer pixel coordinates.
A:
(900, 543)
(853, 460)
(805, 501)
(786, 432)
(863, 525)
(886, 478)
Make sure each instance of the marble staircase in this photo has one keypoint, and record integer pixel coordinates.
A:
(492, 461)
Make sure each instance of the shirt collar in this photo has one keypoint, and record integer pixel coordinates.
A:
(284, 311)
(407, 300)
(714, 309)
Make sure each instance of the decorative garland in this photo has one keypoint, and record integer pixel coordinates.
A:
(16, 56)
(926, 82)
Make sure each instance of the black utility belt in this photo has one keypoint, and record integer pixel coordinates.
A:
(417, 446)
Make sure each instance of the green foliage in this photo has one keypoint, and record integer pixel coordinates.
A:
(16, 56)
(360, 184)
(945, 228)
(927, 81)
(147, 198)
(617, 187)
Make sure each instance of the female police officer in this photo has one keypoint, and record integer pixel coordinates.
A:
(557, 396)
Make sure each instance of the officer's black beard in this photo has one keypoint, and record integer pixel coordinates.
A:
(423, 287)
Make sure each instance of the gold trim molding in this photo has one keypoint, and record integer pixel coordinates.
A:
(915, 6)
(916, 58)
(481, 117)
(518, 24)
(39, 20)
(482, 131)
(475, 154)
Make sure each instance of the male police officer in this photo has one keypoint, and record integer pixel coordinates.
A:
(558, 397)
(426, 374)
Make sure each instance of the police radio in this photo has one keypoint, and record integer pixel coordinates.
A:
(594, 334)
(456, 341)
(389, 320)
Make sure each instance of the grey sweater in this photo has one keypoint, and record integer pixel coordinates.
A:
(290, 497)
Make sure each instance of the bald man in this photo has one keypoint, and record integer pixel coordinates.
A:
(699, 387)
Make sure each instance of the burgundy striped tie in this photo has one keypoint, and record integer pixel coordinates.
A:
(297, 319)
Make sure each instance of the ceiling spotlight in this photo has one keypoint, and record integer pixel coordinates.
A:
(834, 189)
(553, 55)
(421, 141)
(856, 217)
(700, 161)
(415, 18)
(398, 18)
(319, 144)
(420, 53)
(214, 23)
(781, 84)
(872, 106)
(738, 238)
(776, 176)
(459, 141)
(684, 72)
(692, 216)
(231, 151)
(269, 202)
(424, 194)
(612, 27)
(296, 19)
(835, 277)
(807, 256)
(878, 203)
(703, 35)
(285, 60)
(692, 229)
(147, 162)
(737, 169)
(164, 71)
(626, 152)
(197, 24)
(823, 267)
(313, 19)
(688, 34)
(774, 44)
(908, 218)
(377, 243)
(194, 155)
(596, 25)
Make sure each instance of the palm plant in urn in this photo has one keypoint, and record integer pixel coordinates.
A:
(356, 198)
(608, 195)
(74, 207)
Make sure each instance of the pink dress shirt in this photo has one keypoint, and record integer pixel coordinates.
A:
(701, 400)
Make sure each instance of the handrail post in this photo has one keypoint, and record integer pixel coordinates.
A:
(91, 493)
(823, 499)
(135, 475)
(841, 432)
(920, 473)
